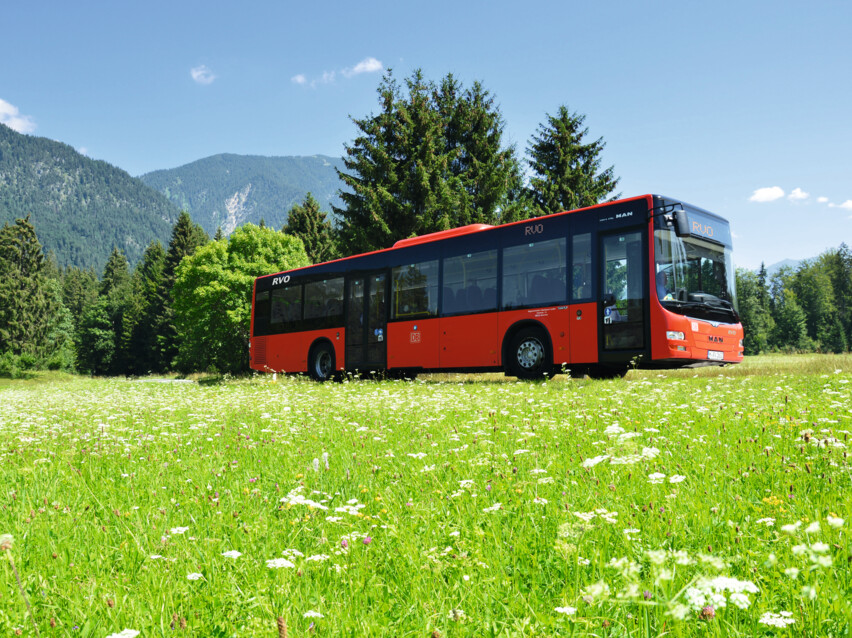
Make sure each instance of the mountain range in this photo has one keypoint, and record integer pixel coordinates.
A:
(81, 208)
(224, 191)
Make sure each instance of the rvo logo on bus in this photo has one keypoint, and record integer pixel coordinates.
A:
(280, 280)
(534, 229)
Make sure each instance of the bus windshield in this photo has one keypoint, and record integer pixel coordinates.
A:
(694, 276)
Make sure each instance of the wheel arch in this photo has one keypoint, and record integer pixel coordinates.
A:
(318, 342)
(515, 328)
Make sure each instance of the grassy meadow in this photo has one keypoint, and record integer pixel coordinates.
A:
(711, 502)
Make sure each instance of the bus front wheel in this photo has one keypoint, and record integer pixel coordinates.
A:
(321, 362)
(529, 355)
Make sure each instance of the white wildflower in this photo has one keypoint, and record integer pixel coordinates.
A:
(777, 620)
(595, 460)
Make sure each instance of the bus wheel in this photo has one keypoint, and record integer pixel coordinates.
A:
(528, 355)
(321, 362)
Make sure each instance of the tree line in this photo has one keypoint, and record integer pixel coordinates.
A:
(807, 309)
(432, 158)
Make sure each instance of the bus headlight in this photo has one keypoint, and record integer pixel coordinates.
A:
(674, 335)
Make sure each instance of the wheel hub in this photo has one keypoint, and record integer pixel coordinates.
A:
(530, 354)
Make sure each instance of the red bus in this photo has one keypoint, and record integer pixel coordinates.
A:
(646, 281)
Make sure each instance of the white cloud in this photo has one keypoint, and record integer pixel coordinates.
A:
(847, 205)
(202, 74)
(11, 117)
(822, 200)
(798, 195)
(367, 65)
(768, 194)
(83, 150)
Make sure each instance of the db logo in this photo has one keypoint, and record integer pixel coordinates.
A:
(415, 337)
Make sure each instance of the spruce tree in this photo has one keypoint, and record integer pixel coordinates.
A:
(187, 236)
(485, 174)
(115, 292)
(139, 337)
(431, 159)
(24, 306)
(566, 168)
(307, 222)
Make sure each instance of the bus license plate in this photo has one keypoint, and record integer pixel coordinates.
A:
(715, 355)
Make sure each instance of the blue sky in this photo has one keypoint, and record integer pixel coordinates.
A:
(742, 108)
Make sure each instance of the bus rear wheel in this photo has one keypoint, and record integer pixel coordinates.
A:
(321, 362)
(529, 355)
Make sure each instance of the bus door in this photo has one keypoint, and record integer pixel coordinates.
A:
(624, 310)
(366, 321)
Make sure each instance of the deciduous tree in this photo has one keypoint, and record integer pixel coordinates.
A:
(213, 295)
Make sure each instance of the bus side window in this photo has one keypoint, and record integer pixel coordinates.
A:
(534, 274)
(286, 312)
(324, 300)
(581, 267)
(471, 281)
(415, 290)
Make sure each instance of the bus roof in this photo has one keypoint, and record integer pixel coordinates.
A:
(460, 231)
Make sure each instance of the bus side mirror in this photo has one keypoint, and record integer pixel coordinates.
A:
(681, 223)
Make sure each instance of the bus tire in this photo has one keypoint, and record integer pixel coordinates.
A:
(529, 355)
(321, 362)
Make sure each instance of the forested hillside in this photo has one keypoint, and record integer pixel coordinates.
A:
(228, 190)
(81, 207)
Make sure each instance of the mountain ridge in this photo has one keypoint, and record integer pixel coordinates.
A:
(227, 189)
(80, 207)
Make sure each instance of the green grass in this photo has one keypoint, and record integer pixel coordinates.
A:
(488, 504)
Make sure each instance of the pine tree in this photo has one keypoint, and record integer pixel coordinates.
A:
(115, 292)
(79, 290)
(24, 306)
(486, 176)
(756, 319)
(187, 236)
(139, 338)
(566, 169)
(307, 222)
(431, 159)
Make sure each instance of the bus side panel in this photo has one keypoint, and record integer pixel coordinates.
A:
(555, 319)
(469, 341)
(583, 328)
(289, 352)
(414, 344)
